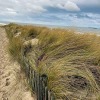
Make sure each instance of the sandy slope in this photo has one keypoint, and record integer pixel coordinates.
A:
(12, 80)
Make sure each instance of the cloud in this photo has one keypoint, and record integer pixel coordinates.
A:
(35, 9)
(69, 6)
(21, 6)
(8, 12)
(59, 12)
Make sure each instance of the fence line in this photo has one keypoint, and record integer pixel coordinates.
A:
(37, 82)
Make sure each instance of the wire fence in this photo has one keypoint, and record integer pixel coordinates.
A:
(37, 82)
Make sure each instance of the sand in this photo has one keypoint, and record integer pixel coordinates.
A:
(13, 85)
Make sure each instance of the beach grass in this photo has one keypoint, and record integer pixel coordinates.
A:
(70, 60)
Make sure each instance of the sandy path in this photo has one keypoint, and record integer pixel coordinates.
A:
(12, 80)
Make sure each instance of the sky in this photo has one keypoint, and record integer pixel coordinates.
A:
(81, 13)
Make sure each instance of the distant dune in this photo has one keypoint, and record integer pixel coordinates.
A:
(1, 24)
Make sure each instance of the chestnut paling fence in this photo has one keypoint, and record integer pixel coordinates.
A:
(37, 82)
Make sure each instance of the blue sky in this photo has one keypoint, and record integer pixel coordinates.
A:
(84, 13)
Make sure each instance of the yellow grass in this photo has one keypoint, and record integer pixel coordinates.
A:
(60, 54)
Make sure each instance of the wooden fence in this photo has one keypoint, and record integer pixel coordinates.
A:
(37, 82)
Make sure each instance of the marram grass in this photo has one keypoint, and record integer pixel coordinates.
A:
(67, 58)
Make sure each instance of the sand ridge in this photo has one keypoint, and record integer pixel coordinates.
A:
(12, 80)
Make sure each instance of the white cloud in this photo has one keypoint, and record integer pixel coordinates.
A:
(70, 6)
(8, 12)
(9, 9)
(35, 9)
(21, 6)
(36, 6)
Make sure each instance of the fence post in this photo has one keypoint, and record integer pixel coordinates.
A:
(46, 93)
(38, 87)
(44, 84)
(38, 83)
(33, 80)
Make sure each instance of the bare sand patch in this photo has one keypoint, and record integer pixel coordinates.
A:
(13, 85)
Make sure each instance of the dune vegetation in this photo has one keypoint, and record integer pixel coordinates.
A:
(71, 61)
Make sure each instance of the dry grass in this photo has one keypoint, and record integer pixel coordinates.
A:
(65, 57)
(15, 47)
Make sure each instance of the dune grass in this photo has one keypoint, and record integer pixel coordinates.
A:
(64, 56)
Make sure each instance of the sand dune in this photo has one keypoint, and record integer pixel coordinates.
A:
(13, 85)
